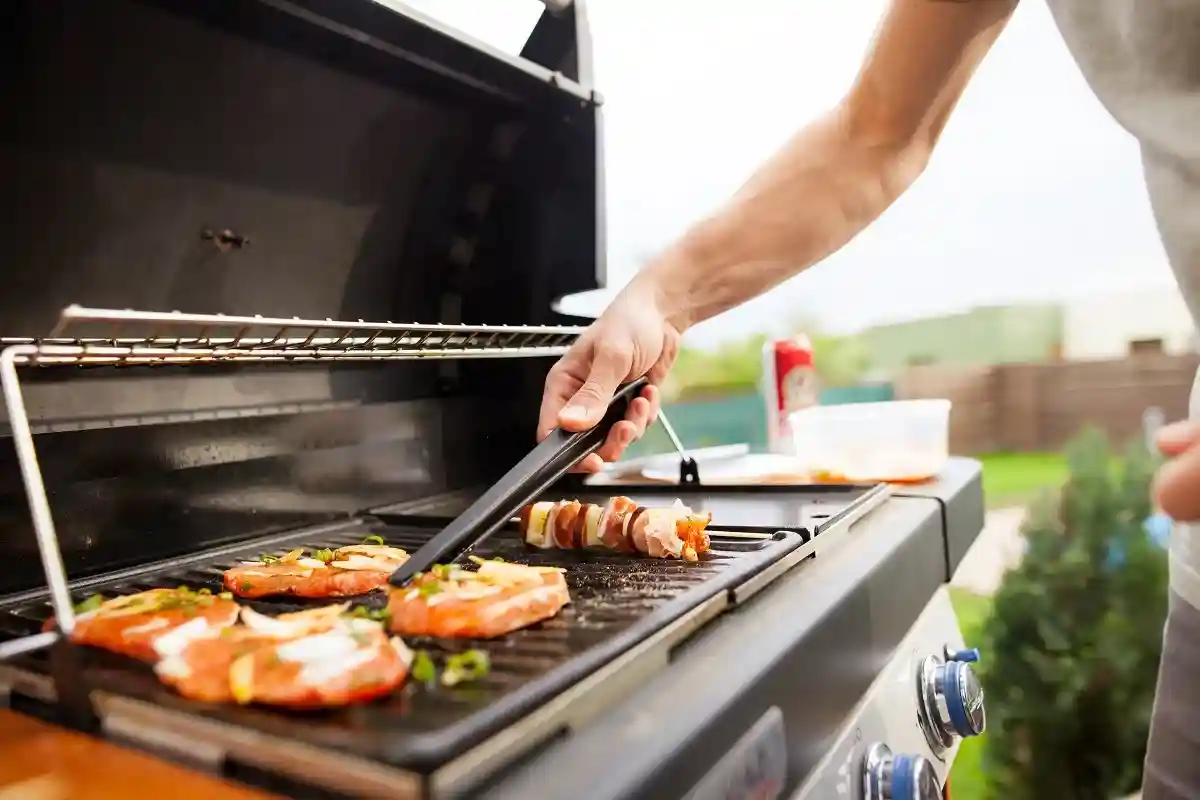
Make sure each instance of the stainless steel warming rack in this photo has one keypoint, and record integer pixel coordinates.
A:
(87, 337)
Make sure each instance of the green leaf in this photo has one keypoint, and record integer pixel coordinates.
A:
(89, 604)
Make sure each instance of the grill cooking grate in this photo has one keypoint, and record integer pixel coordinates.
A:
(617, 602)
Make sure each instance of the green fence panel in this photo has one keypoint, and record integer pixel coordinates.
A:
(841, 395)
(708, 423)
(741, 419)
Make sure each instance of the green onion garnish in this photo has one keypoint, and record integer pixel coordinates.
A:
(423, 669)
(90, 604)
(373, 540)
(363, 612)
(466, 666)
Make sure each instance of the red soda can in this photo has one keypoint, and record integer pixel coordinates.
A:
(789, 385)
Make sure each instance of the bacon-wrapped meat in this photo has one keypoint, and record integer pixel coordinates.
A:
(348, 571)
(310, 659)
(496, 599)
(620, 524)
(131, 624)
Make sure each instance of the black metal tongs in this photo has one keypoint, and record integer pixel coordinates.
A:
(548, 462)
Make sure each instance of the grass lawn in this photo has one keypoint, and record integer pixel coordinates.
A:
(1016, 479)
(967, 780)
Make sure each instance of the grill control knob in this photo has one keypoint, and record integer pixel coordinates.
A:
(966, 656)
(898, 777)
(951, 699)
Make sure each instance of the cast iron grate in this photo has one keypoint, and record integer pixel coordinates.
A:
(617, 602)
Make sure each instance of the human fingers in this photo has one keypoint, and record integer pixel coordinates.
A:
(623, 434)
(610, 364)
(654, 398)
(1177, 437)
(1177, 486)
(591, 464)
(560, 385)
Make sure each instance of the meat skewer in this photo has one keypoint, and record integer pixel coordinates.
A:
(672, 532)
(318, 658)
(348, 571)
(495, 599)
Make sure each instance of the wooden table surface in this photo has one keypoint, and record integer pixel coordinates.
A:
(45, 762)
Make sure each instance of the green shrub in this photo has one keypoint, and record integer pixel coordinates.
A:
(1074, 637)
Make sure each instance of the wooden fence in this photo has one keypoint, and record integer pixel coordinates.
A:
(1040, 407)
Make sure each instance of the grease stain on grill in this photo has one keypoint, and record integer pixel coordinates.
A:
(613, 598)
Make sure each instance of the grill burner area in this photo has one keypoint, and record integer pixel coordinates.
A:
(617, 603)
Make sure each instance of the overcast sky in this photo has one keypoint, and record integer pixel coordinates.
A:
(1034, 193)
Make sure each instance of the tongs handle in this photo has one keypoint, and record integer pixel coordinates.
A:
(545, 464)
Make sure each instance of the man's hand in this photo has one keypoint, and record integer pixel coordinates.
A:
(1177, 486)
(631, 339)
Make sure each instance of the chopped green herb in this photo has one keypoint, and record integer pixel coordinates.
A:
(482, 561)
(441, 571)
(469, 665)
(325, 555)
(267, 558)
(377, 614)
(423, 668)
(246, 586)
(429, 588)
(226, 595)
(90, 604)
(373, 540)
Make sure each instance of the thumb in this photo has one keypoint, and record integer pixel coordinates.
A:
(586, 408)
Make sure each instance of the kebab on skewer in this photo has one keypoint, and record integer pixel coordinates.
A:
(621, 524)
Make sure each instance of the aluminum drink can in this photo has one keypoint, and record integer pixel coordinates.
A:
(789, 385)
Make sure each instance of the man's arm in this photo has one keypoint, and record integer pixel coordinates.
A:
(841, 172)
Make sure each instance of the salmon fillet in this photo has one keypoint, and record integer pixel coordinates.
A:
(498, 598)
(310, 659)
(345, 572)
(131, 624)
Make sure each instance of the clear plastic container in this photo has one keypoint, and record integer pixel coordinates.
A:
(901, 442)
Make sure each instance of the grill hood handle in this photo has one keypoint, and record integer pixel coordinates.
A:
(548, 462)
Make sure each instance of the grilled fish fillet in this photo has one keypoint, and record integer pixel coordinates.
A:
(131, 624)
(498, 598)
(345, 572)
(307, 660)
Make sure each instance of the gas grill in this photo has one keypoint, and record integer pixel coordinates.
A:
(297, 174)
